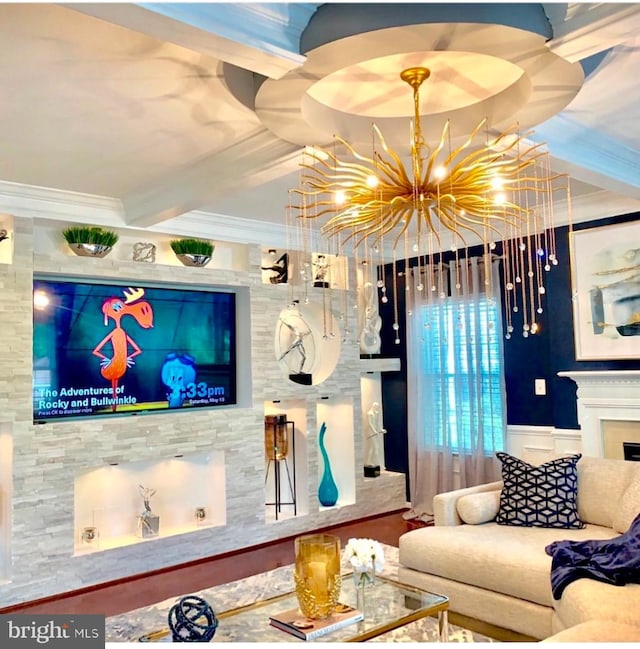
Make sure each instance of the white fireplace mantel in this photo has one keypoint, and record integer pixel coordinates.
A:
(604, 395)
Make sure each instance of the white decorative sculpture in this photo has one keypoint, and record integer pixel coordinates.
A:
(373, 441)
(372, 323)
(148, 522)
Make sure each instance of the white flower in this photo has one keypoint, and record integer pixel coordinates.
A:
(364, 555)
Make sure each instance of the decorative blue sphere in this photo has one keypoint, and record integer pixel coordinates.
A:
(192, 620)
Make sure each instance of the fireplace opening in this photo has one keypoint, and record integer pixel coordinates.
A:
(621, 439)
(631, 451)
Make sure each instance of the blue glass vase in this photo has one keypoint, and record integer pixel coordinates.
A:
(328, 489)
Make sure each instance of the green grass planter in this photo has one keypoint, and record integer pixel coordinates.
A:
(193, 252)
(90, 241)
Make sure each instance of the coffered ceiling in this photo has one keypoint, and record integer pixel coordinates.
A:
(189, 118)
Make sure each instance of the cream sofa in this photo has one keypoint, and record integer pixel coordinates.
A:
(501, 574)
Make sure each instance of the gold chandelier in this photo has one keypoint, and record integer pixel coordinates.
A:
(486, 190)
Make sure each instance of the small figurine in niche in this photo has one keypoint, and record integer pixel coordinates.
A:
(280, 268)
(374, 441)
(148, 522)
(320, 271)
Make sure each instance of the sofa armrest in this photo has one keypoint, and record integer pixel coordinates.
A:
(444, 504)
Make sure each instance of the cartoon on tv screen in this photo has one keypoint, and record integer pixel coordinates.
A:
(109, 349)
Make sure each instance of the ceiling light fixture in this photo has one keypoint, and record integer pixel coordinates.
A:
(496, 191)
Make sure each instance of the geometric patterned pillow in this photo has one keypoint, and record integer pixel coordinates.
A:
(539, 496)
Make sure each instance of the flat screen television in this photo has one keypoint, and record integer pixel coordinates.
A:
(108, 349)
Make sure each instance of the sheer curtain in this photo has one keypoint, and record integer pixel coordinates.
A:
(455, 379)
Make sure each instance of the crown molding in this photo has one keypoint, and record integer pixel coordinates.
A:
(225, 228)
(30, 201)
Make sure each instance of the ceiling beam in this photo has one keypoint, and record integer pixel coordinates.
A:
(583, 29)
(260, 37)
(252, 161)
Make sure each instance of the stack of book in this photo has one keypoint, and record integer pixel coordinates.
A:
(295, 623)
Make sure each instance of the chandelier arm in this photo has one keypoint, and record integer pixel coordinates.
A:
(465, 145)
(466, 221)
(329, 166)
(427, 218)
(396, 174)
(399, 166)
(434, 153)
(318, 213)
(341, 222)
(353, 152)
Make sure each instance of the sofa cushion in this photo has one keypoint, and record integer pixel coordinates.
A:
(502, 558)
(586, 599)
(598, 476)
(475, 509)
(629, 506)
(539, 496)
(598, 631)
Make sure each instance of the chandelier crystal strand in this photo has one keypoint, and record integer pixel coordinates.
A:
(528, 293)
(395, 324)
(290, 229)
(509, 282)
(454, 213)
(542, 249)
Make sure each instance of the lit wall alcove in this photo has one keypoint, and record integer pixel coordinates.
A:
(6, 455)
(6, 239)
(285, 484)
(107, 499)
(338, 415)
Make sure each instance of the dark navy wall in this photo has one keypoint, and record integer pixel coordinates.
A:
(550, 351)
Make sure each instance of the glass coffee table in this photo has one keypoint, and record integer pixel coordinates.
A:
(388, 605)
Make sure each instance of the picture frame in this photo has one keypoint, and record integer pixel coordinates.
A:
(605, 277)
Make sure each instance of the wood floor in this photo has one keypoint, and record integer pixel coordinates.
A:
(125, 595)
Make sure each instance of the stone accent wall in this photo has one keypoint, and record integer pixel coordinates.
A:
(38, 549)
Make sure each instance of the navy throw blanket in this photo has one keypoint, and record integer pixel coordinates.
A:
(614, 561)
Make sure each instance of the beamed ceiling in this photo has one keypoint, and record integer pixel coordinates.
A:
(189, 118)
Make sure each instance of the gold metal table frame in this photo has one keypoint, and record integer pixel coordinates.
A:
(389, 605)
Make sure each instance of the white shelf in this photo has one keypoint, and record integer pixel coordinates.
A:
(379, 364)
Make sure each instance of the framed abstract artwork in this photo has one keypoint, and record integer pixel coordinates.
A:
(605, 266)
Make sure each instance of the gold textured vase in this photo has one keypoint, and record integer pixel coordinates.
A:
(317, 574)
(276, 439)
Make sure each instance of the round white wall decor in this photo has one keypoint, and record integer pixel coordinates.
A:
(307, 343)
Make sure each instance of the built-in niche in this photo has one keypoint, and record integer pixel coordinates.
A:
(141, 246)
(6, 239)
(371, 394)
(307, 343)
(6, 461)
(274, 266)
(338, 442)
(372, 442)
(184, 492)
(286, 460)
